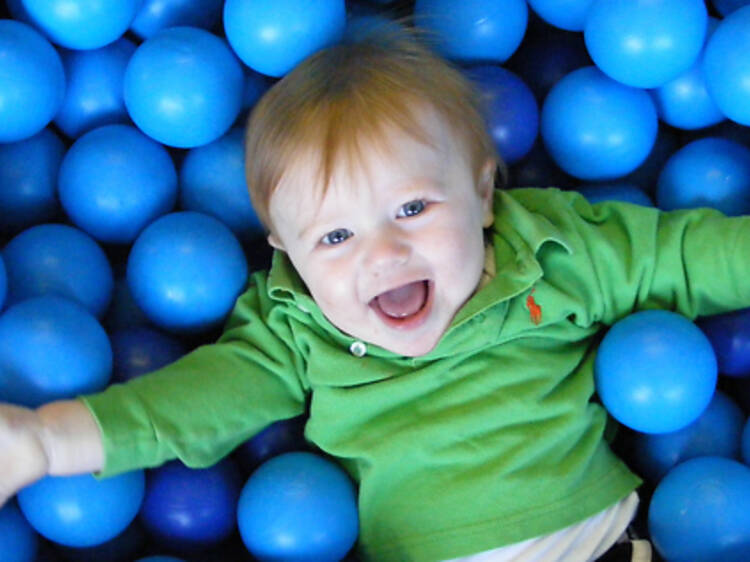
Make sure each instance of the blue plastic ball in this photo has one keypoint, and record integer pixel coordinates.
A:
(256, 85)
(726, 7)
(155, 15)
(28, 175)
(684, 102)
(716, 432)
(746, 442)
(645, 43)
(137, 351)
(55, 259)
(283, 436)
(114, 181)
(699, 511)
(212, 181)
(727, 66)
(82, 24)
(185, 271)
(30, 100)
(18, 541)
(729, 335)
(655, 371)
(511, 112)
(474, 30)
(93, 96)
(123, 311)
(568, 14)
(3, 282)
(708, 172)
(646, 175)
(542, 62)
(191, 509)
(81, 511)
(298, 506)
(51, 349)
(595, 128)
(625, 192)
(537, 169)
(184, 87)
(273, 36)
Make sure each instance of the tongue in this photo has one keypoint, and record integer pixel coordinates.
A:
(403, 301)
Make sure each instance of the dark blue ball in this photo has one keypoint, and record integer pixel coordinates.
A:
(140, 350)
(729, 334)
(28, 174)
(155, 15)
(511, 112)
(283, 436)
(191, 509)
(717, 432)
(298, 506)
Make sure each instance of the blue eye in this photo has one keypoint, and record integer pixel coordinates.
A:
(412, 208)
(336, 236)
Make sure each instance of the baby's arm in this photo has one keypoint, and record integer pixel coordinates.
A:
(59, 438)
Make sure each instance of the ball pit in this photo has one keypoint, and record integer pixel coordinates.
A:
(168, 71)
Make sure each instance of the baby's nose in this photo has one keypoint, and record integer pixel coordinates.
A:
(387, 250)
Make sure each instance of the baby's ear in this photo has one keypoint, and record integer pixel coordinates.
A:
(486, 189)
(275, 242)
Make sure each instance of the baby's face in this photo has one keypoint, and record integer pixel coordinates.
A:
(395, 247)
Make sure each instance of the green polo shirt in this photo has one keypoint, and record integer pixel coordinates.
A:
(489, 439)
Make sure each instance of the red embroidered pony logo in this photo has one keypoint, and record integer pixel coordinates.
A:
(534, 309)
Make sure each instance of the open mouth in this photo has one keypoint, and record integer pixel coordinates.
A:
(405, 307)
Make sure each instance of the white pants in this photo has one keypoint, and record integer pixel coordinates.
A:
(581, 542)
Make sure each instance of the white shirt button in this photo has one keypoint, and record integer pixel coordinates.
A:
(358, 349)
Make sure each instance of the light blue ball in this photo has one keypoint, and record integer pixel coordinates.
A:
(30, 100)
(56, 259)
(474, 30)
(184, 87)
(645, 43)
(155, 15)
(684, 102)
(18, 541)
(708, 172)
(82, 24)
(185, 272)
(93, 96)
(727, 66)
(596, 128)
(298, 506)
(212, 181)
(716, 432)
(114, 181)
(273, 36)
(80, 511)
(655, 371)
(568, 14)
(28, 175)
(699, 513)
(51, 349)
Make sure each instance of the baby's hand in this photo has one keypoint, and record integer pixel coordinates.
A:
(23, 459)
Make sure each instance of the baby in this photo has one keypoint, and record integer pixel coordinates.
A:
(439, 333)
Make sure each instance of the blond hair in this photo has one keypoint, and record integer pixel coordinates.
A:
(350, 93)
